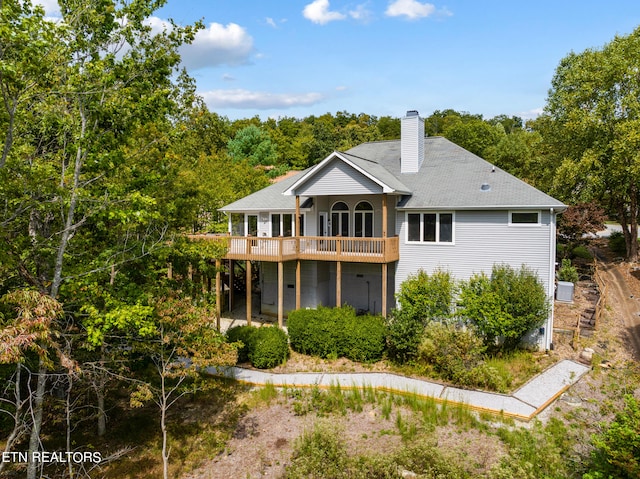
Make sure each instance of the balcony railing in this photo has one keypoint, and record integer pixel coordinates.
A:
(318, 248)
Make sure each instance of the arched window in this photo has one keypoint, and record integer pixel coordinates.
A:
(363, 218)
(340, 219)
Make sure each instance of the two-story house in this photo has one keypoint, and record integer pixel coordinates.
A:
(352, 228)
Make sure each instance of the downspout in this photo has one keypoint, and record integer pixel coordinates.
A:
(548, 337)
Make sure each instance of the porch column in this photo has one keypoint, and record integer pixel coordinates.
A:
(297, 220)
(232, 278)
(384, 215)
(385, 266)
(218, 293)
(248, 282)
(297, 223)
(280, 293)
(298, 282)
(338, 284)
(384, 289)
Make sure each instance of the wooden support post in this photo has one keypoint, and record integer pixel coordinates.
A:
(297, 221)
(385, 268)
(298, 282)
(169, 270)
(232, 280)
(218, 293)
(338, 284)
(280, 293)
(190, 272)
(384, 215)
(249, 295)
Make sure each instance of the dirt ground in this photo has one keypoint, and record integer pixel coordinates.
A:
(264, 439)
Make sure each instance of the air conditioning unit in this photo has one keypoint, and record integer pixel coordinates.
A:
(564, 291)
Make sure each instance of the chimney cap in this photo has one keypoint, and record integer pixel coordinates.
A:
(412, 113)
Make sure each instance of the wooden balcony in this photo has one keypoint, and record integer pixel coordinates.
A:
(316, 248)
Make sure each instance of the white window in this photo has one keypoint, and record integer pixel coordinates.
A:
(363, 216)
(282, 224)
(340, 219)
(524, 218)
(252, 225)
(430, 227)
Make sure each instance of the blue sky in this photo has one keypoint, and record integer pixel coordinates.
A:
(297, 58)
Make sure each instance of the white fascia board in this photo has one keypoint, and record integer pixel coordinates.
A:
(556, 208)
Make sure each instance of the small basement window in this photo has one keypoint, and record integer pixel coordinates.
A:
(524, 217)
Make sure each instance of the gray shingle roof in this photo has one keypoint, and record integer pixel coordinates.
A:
(269, 198)
(450, 178)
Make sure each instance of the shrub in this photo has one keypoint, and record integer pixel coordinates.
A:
(268, 347)
(241, 334)
(314, 331)
(337, 332)
(403, 336)
(567, 272)
(581, 251)
(453, 352)
(617, 452)
(422, 298)
(427, 296)
(319, 453)
(617, 243)
(505, 307)
(364, 338)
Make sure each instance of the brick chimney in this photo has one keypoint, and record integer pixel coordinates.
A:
(411, 142)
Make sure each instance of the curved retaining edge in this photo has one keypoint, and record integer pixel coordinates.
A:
(563, 374)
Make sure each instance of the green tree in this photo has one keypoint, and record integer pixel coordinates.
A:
(254, 145)
(185, 341)
(88, 132)
(474, 135)
(506, 306)
(422, 298)
(617, 451)
(389, 128)
(593, 129)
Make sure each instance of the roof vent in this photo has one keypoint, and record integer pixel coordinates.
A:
(485, 187)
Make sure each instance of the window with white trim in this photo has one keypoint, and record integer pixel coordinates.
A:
(430, 227)
(363, 220)
(282, 224)
(340, 219)
(524, 218)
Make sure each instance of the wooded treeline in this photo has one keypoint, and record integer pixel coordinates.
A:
(109, 156)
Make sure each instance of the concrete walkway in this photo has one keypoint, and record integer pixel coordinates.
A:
(523, 404)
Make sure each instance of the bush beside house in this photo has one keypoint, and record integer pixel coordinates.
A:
(337, 332)
(264, 348)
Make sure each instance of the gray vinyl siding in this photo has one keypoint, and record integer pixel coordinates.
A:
(338, 178)
(361, 286)
(482, 239)
(310, 296)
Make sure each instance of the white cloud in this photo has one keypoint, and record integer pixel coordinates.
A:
(51, 7)
(318, 12)
(218, 45)
(409, 8)
(271, 22)
(361, 13)
(531, 114)
(228, 77)
(245, 99)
